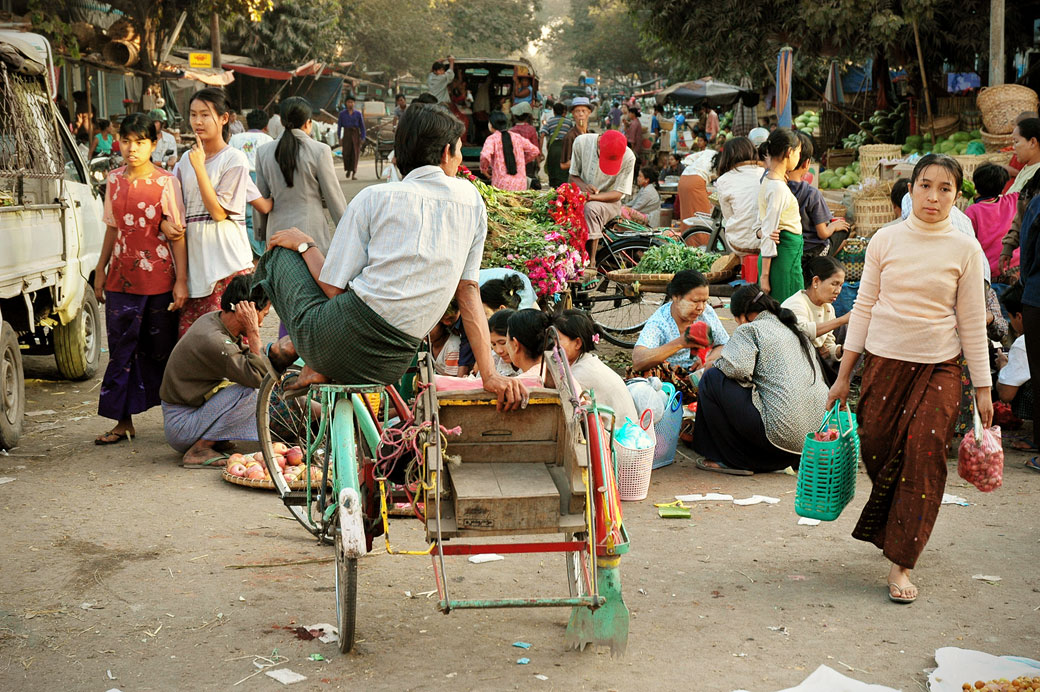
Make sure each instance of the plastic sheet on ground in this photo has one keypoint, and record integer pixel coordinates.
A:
(958, 666)
(826, 679)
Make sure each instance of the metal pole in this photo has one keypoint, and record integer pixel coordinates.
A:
(996, 42)
(924, 82)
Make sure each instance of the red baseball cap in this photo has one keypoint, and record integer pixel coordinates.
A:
(612, 147)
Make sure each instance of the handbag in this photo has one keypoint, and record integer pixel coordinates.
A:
(827, 472)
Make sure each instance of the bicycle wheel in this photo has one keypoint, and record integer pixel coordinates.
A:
(619, 310)
(346, 597)
(284, 421)
(380, 161)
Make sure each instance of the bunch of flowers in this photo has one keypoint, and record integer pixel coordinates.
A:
(539, 233)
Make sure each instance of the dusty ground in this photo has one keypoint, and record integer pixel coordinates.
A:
(115, 575)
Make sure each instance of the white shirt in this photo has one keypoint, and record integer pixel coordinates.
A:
(700, 164)
(248, 143)
(165, 148)
(403, 247)
(437, 84)
(809, 315)
(737, 191)
(275, 127)
(585, 165)
(607, 386)
(1016, 372)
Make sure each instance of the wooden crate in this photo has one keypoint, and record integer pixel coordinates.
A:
(505, 497)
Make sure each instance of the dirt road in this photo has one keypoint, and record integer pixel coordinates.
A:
(116, 574)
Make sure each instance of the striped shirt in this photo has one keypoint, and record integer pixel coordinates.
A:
(550, 126)
(403, 247)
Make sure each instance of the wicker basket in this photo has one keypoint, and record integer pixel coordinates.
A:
(943, 124)
(266, 485)
(994, 143)
(871, 213)
(853, 255)
(1001, 105)
(656, 283)
(1001, 158)
(870, 156)
(963, 202)
(837, 158)
(969, 163)
(971, 119)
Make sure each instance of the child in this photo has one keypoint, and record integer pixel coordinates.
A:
(102, 144)
(899, 191)
(1013, 380)
(820, 235)
(779, 221)
(645, 206)
(142, 277)
(992, 214)
(498, 325)
(446, 342)
(215, 183)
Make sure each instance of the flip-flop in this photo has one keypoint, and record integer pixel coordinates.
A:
(1033, 464)
(119, 438)
(1020, 446)
(900, 598)
(209, 463)
(700, 462)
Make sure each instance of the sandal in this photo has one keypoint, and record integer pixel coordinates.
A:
(111, 438)
(901, 589)
(214, 463)
(702, 464)
(1023, 446)
(1033, 464)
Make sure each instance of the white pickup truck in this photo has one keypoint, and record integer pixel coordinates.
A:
(50, 232)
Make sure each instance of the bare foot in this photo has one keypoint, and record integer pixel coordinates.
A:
(308, 376)
(282, 354)
(899, 584)
(202, 454)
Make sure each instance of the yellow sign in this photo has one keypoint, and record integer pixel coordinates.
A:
(200, 60)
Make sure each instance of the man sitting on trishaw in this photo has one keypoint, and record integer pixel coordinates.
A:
(400, 253)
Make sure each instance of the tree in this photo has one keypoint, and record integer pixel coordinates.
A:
(292, 32)
(604, 35)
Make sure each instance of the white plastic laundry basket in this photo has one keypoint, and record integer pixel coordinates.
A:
(636, 465)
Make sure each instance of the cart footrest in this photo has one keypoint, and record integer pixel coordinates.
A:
(482, 548)
(297, 498)
(577, 602)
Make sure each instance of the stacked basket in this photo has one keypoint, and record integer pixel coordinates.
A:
(1001, 105)
(870, 156)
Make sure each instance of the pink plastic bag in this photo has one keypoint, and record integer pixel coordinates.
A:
(982, 464)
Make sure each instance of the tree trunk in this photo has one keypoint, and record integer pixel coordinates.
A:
(148, 27)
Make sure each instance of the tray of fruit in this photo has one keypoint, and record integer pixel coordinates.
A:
(251, 471)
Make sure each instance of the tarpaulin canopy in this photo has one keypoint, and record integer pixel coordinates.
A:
(308, 69)
(715, 94)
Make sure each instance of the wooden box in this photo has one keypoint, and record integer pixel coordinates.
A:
(505, 497)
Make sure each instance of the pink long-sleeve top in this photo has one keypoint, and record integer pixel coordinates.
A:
(922, 297)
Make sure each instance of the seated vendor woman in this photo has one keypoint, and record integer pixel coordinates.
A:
(526, 341)
(578, 338)
(400, 253)
(209, 387)
(765, 393)
(814, 309)
(664, 345)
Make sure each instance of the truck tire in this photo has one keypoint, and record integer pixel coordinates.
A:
(77, 345)
(12, 388)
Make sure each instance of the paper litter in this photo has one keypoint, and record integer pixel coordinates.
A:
(708, 497)
(522, 645)
(523, 661)
(485, 557)
(7, 479)
(285, 676)
(757, 499)
(985, 577)
(958, 665)
(826, 679)
(949, 499)
(806, 521)
(541, 677)
(324, 632)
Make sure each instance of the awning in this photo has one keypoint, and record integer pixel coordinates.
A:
(308, 69)
(715, 94)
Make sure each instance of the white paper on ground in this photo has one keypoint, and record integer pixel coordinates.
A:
(949, 499)
(329, 633)
(485, 557)
(825, 679)
(806, 521)
(957, 666)
(985, 577)
(757, 499)
(7, 479)
(708, 497)
(285, 676)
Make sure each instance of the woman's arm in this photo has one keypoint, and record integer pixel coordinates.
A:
(197, 159)
(179, 248)
(101, 272)
(644, 358)
(264, 205)
(487, 155)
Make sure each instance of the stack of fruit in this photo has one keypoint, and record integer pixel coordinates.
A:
(1019, 684)
(808, 121)
(840, 177)
(959, 143)
(883, 127)
(289, 460)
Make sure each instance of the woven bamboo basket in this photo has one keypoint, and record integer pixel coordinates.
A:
(838, 211)
(1001, 158)
(872, 212)
(944, 124)
(870, 156)
(1001, 105)
(656, 283)
(963, 202)
(266, 485)
(836, 158)
(969, 163)
(994, 143)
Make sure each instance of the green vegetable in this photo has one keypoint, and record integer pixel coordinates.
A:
(673, 257)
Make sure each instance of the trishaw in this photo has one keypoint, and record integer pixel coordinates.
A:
(471, 474)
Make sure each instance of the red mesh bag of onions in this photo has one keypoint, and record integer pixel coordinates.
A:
(981, 457)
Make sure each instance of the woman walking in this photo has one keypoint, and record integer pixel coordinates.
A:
(297, 172)
(920, 305)
(215, 181)
(141, 277)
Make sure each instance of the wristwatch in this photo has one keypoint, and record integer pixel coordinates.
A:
(304, 247)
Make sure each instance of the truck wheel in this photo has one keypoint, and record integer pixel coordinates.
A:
(12, 388)
(77, 345)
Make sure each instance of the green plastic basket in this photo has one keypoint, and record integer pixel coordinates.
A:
(827, 472)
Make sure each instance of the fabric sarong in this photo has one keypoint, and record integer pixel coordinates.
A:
(557, 176)
(230, 414)
(351, 149)
(693, 195)
(342, 338)
(141, 336)
(194, 308)
(785, 271)
(598, 215)
(906, 414)
(729, 429)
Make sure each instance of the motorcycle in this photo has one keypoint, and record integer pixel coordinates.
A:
(99, 167)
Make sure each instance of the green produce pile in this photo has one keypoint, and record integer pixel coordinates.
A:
(884, 127)
(808, 121)
(840, 177)
(674, 257)
(957, 144)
